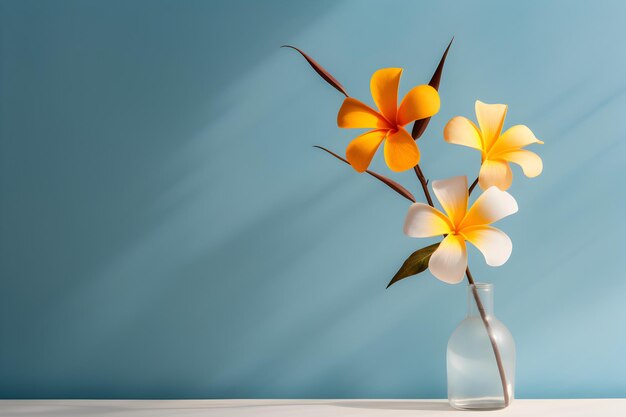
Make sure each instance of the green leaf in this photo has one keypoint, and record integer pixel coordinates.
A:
(414, 264)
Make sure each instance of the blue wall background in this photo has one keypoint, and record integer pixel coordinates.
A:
(167, 230)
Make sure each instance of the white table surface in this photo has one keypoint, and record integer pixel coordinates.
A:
(303, 408)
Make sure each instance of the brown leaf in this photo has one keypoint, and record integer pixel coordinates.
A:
(388, 182)
(414, 264)
(321, 71)
(419, 127)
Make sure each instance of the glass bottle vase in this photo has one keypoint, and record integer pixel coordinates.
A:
(474, 377)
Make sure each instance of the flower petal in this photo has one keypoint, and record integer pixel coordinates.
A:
(423, 220)
(514, 138)
(462, 131)
(495, 173)
(490, 119)
(384, 86)
(362, 149)
(401, 152)
(529, 161)
(419, 103)
(492, 205)
(494, 244)
(355, 114)
(452, 194)
(449, 261)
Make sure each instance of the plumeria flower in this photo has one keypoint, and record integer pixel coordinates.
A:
(401, 152)
(497, 150)
(449, 261)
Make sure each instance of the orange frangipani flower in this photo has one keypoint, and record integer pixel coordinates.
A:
(401, 152)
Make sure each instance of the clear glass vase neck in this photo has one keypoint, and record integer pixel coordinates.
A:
(485, 292)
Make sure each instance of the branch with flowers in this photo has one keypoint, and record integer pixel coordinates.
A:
(459, 222)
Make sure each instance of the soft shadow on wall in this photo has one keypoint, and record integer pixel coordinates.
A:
(168, 231)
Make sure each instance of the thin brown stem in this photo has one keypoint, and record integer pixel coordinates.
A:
(424, 182)
(492, 339)
(479, 303)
